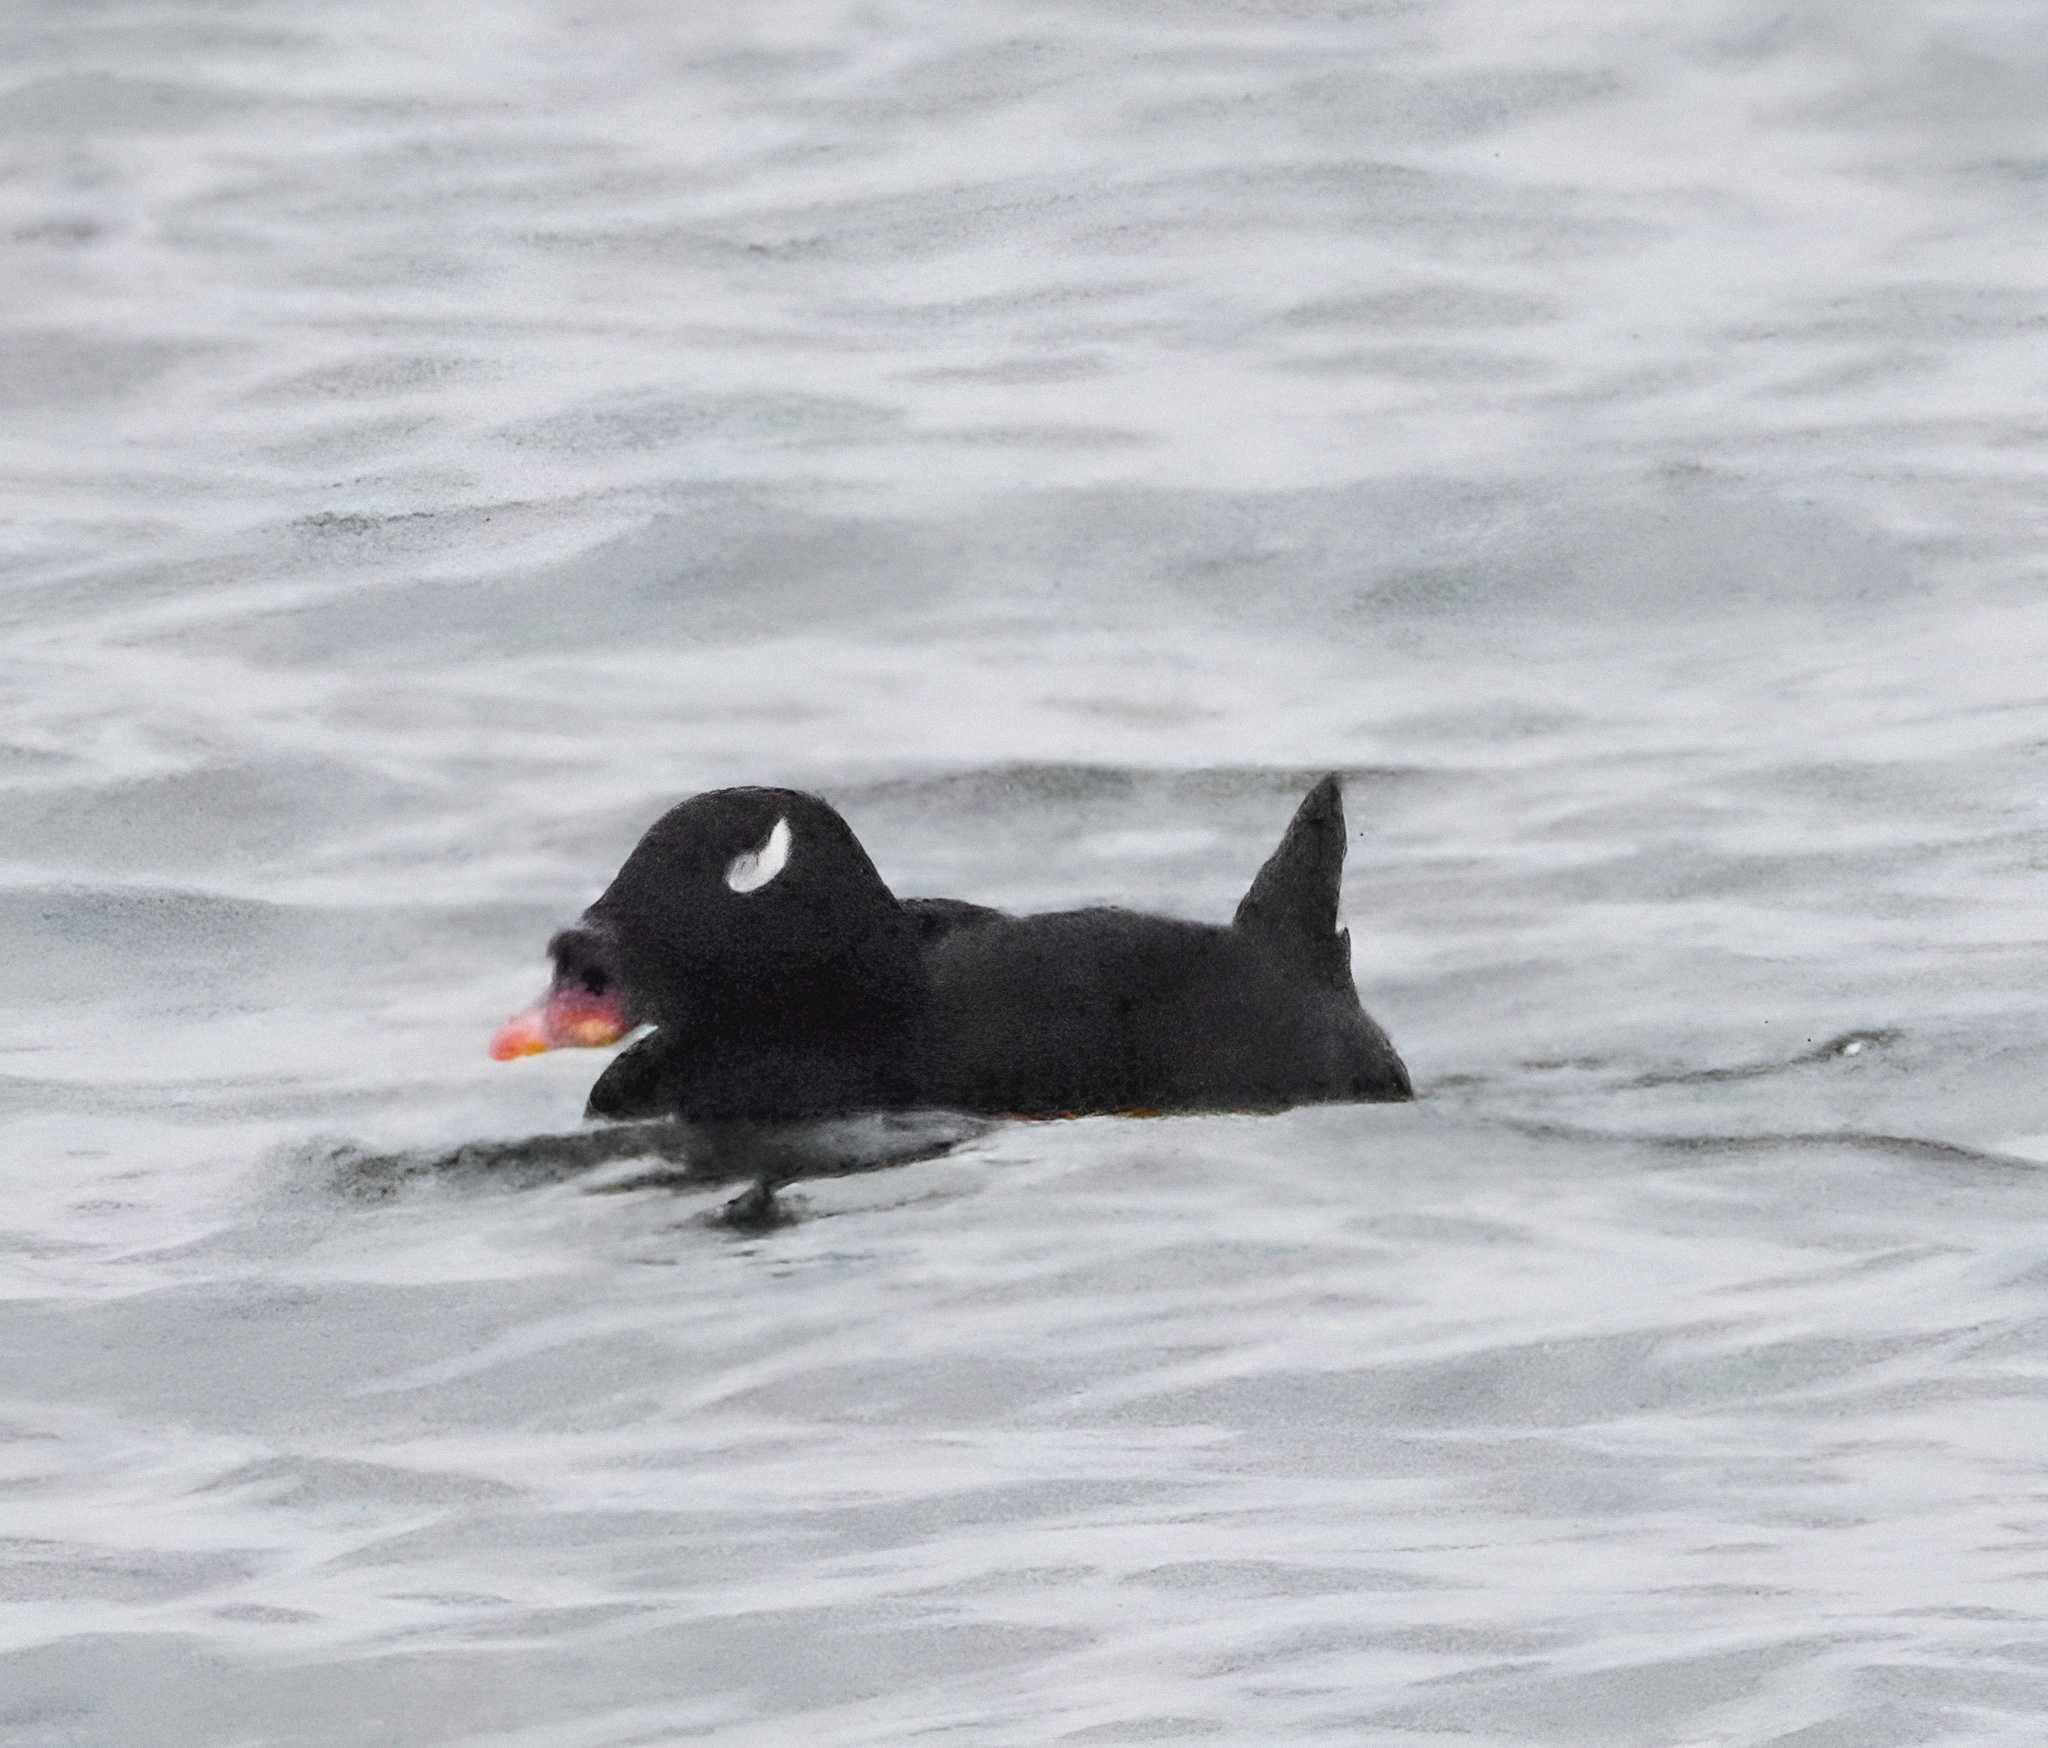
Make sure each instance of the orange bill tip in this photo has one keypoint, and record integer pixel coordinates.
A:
(561, 1020)
(522, 1035)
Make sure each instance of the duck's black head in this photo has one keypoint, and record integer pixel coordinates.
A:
(741, 913)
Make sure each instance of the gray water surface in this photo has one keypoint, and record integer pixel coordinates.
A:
(432, 439)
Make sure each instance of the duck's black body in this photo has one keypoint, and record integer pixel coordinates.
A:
(817, 992)
(1107, 1010)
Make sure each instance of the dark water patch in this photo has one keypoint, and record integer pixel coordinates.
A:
(1041, 436)
(37, 1571)
(363, 438)
(59, 231)
(201, 955)
(1000, 311)
(994, 787)
(489, 172)
(1562, 1382)
(990, 1502)
(529, 1163)
(1916, 1149)
(660, 1155)
(1672, 547)
(623, 425)
(1670, 1697)
(1677, 549)
(274, 1360)
(925, 223)
(732, 568)
(1606, 1074)
(1271, 1581)
(1245, 555)
(265, 1614)
(52, 29)
(58, 369)
(1360, 101)
(1845, 1047)
(125, 590)
(1433, 364)
(386, 533)
(16, 759)
(1435, 305)
(347, 1485)
(213, 816)
(1030, 368)
(958, 82)
(562, 1620)
(189, 1099)
(79, 938)
(94, 105)
(1138, 712)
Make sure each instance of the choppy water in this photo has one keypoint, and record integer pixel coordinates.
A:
(435, 438)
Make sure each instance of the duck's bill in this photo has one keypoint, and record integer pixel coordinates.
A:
(562, 1020)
